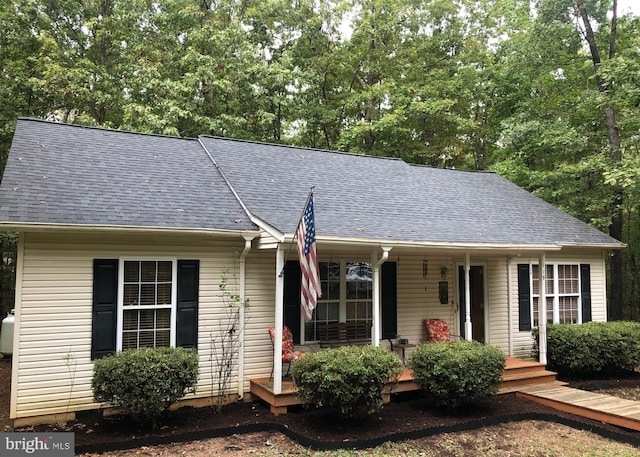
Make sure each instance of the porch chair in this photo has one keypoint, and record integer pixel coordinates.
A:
(289, 355)
(437, 330)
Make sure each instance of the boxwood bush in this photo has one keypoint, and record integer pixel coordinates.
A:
(456, 373)
(593, 348)
(145, 382)
(350, 378)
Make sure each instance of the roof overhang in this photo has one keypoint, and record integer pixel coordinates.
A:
(340, 242)
(41, 227)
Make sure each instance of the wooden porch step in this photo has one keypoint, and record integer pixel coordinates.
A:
(519, 372)
(516, 367)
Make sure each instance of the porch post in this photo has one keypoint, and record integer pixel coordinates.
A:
(468, 329)
(542, 308)
(376, 324)
(279, 310)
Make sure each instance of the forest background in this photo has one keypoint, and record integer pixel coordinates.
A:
(544, 92)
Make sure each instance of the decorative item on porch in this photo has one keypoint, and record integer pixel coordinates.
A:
(437, 330)
(289, 355)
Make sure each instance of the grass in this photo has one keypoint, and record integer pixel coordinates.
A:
(528, 438)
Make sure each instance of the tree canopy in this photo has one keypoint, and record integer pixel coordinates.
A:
(547, 93)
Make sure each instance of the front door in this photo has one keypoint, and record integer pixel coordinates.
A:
(476, 282)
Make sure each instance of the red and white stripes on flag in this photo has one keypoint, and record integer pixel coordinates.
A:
(306, 236)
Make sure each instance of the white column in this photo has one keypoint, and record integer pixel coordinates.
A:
(467, 298)
(542, 308)
(376, 326)
(279, 311)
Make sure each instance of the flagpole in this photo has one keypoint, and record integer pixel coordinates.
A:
(296, 230)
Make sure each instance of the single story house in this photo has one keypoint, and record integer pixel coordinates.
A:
(125, 239)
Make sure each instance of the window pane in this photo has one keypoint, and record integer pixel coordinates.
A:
(130, 320)
(146, 339)
(148, 271)
(163, 338)
(147, 294)
(333, 312)
(163, 319)
(164, 294)
(351, 311)
(129, 340)
(568, 310)
(147, 317)
(131, 295)
(131, 272)
(568, 279)
(164, 271)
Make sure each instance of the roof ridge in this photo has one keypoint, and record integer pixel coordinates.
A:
(107, 129)
(303, 148)
(419, 165)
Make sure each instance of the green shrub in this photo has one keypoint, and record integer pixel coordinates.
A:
(593, 349)
(145, 382)
(456, 373)
(350, 378)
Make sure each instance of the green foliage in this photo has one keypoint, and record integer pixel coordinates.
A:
(594, 348)
(350, 378)
(455, 373)
(8, 256)
(145, 382)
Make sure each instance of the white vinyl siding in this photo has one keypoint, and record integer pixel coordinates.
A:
(55, 311)
(54, 305)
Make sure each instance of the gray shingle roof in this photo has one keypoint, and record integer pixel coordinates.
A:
(386, 199)
(67, 174)
(64, 174)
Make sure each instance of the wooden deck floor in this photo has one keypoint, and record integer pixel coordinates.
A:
(593, 405)
(526, 378)
(517, 372)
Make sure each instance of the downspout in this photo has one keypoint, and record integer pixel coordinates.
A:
(375, 331)
(241, 314)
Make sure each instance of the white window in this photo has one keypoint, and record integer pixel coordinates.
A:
(562, 293)
(147, 297)
(346, 296)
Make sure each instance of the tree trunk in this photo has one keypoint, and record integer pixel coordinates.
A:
(615, 155)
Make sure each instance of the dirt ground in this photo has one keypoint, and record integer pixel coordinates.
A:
(407, 426)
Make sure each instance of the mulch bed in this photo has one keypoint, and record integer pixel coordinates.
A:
(408, 416)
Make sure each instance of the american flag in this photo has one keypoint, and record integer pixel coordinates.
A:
(306, 235)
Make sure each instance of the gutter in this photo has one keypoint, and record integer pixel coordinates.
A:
(46, 227)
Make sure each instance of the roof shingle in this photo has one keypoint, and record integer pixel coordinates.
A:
(68, 174)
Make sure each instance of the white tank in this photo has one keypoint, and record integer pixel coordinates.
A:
(6, 334)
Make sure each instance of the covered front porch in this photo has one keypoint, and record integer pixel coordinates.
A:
(517, 373)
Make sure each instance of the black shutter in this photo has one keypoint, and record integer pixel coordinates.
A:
(292, 284)
(389, 298)
(585, 291)
(187, 306)
(524, 297)
(105, 307)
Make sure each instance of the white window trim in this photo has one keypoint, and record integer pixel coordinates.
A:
(556, 293)
(342, 301)
(174, 295)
